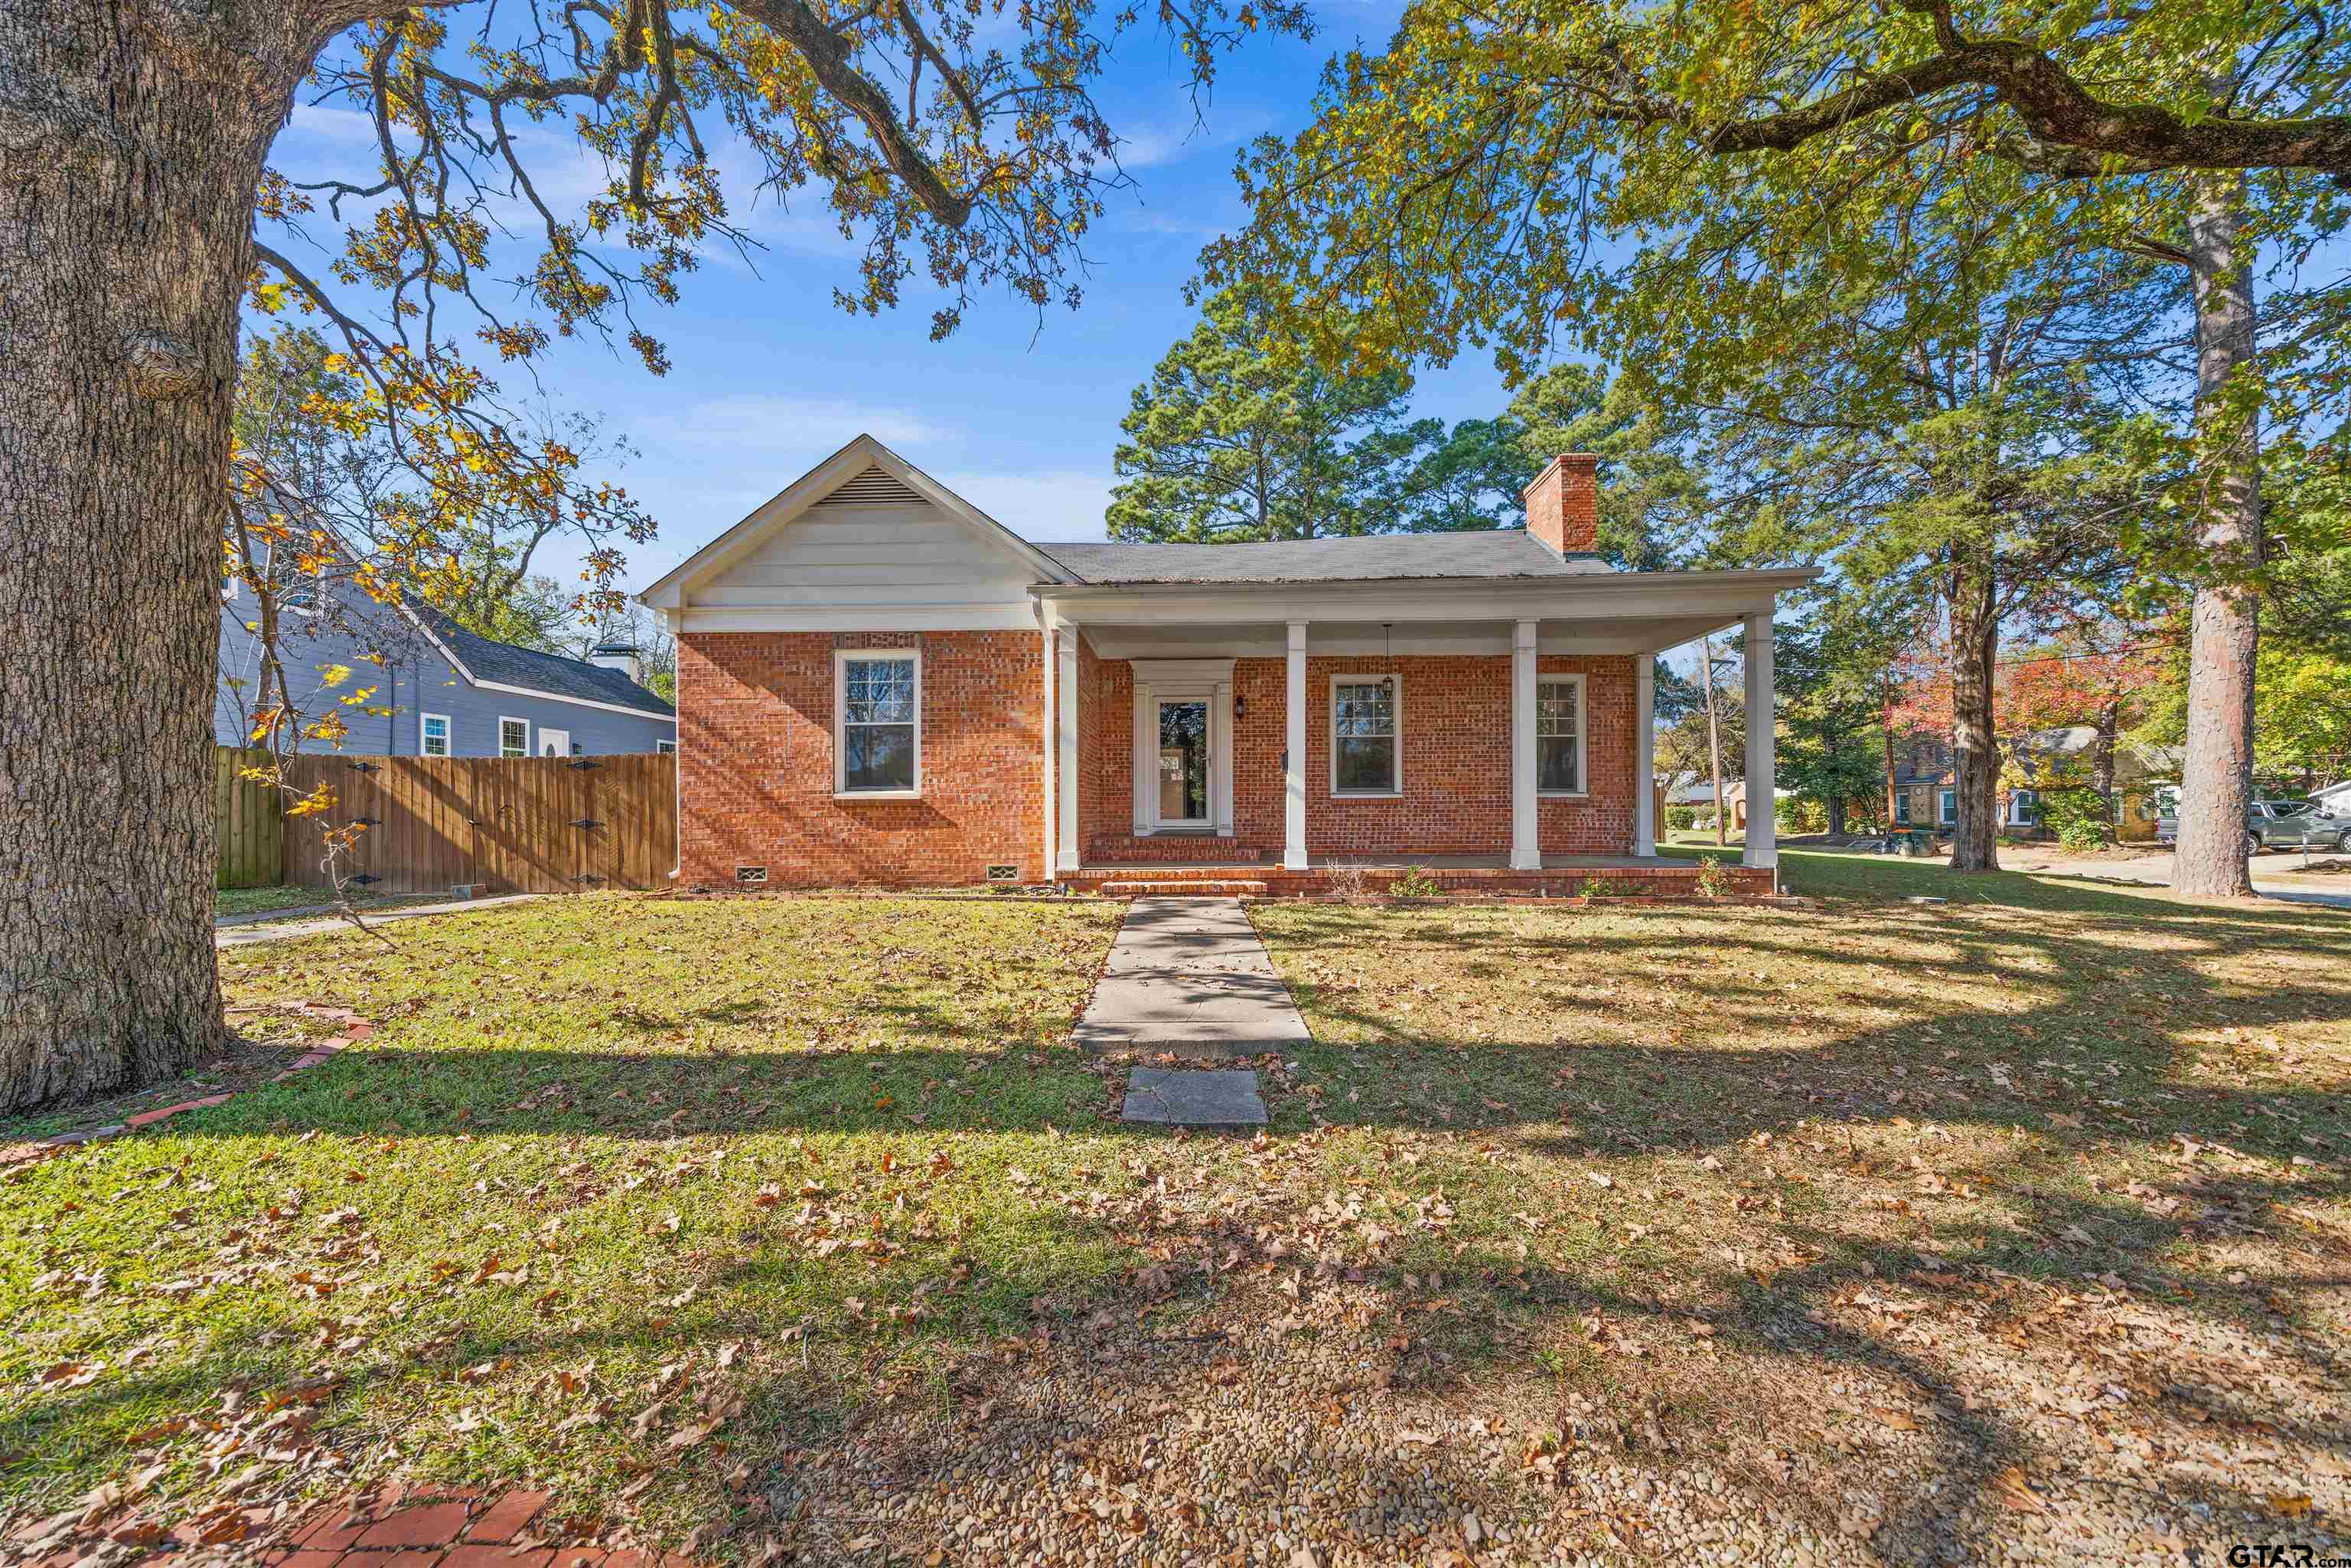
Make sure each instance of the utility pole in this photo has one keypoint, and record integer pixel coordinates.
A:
(1713, 740)
(1885, 688)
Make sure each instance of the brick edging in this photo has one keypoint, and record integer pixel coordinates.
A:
(355, 1028)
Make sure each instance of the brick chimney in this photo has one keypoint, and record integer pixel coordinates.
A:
(1564, 503)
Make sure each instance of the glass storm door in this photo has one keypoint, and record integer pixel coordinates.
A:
(1183, 787)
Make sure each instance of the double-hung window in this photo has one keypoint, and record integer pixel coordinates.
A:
(514, 738)
(1902, 809)
(1367, 735)
(2024, 808)
(1559, 736)
(1950, 807)
(432, 734)
(878, 726)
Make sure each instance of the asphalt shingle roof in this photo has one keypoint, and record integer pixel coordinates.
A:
(1495, 553)
(550, 672)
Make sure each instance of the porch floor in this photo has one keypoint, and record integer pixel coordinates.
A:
(1561, 875)
(1323, 864)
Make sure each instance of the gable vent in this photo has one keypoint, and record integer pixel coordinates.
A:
(874, 488)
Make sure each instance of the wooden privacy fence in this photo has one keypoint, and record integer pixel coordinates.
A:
(250, 848)
(520, 825)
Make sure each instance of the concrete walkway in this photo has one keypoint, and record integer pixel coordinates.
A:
(1189, 978)
(247, 930)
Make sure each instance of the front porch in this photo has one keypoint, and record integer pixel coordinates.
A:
(1558, 876)
(1273, 737)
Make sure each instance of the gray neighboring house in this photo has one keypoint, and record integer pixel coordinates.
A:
(449, 692)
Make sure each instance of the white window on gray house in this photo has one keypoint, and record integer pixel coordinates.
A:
(879, 737)
(1365, 735)
(514, 738)
(1902, 809)
(666, 747)
(2024, 808)
(1950, 807)
(1559, 736)
(433, 737)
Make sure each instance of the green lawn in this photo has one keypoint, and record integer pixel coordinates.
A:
(1851, 874)
(259, 900)
(683, 1208)
(596, 1143)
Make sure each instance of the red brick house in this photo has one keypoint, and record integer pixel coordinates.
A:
(879, 684)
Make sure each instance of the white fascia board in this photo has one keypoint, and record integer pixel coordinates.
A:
(669, 719)
(1728, 595)
(788, 503)
(1020, 617)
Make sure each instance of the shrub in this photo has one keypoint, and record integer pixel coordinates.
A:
(1681, 819)
(2078, 817)
(1416, 882)
(1806, 816)
(1713, 879)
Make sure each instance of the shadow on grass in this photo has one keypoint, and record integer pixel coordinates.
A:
(820, 1399)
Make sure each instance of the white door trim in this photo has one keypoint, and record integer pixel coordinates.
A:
(1183, 680)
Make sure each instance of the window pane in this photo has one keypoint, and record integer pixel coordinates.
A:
(1556, 708)
(879, 691)
(513, 736)
(1367, 763)
(1557, 764)
(1368, 709)
(879, 757)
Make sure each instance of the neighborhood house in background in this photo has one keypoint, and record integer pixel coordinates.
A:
(880, 683)
(439, 690)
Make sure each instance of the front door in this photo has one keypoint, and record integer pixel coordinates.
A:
(1182, 791)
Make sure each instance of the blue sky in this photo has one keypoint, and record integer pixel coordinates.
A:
(1022, 417)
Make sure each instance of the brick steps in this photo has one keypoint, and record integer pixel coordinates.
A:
(1178, 887)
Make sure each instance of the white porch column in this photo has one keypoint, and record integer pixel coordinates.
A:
(1049, 725)
(1762, 846)
(1293, 756)
(1644, 754)
(1526, 827)
(1065, 695)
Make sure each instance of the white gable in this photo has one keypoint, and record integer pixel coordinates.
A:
(863, 541)
(867, 550)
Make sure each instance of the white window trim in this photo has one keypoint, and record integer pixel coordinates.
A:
(1583, 737)
(1363, 678)
(666, 748)
(1902, 812)
(448, 734)
(505, 719)
(842, 659)
(1947, 818)
(2017, 799)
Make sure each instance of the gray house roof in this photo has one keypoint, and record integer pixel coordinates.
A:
(508, 666)
(1496, 553)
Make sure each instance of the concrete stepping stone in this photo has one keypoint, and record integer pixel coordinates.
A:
(1187, 977)
(1184, 1097)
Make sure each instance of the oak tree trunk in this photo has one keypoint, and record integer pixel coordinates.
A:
(2216, 769)
(131, 140)
(1975, 750)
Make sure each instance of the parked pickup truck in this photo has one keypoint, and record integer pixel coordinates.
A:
(2279, 825)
